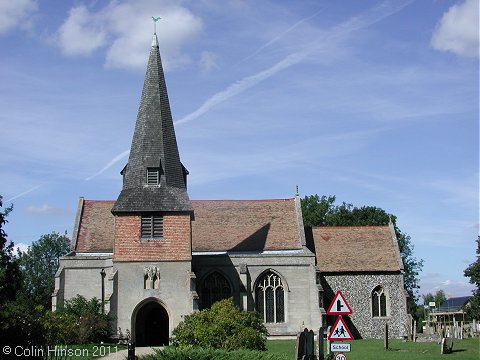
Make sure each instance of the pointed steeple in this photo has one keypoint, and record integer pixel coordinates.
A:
(154, 178)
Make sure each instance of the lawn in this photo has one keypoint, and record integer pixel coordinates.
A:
(373, 350)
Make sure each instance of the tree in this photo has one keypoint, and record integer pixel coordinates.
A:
(473, 272)
(223, 326)
(10, 276)
(322, 211)
(39, 264)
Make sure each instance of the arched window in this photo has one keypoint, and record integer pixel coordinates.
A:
(214, 288)
(270, 298)
(379, 302)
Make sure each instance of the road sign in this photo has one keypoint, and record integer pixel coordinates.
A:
(340, 331)
(339, 305)
(340, 356)
(336, 347)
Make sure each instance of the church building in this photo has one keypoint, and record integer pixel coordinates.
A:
(154, 255)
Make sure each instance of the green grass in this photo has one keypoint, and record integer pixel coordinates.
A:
(373, 350)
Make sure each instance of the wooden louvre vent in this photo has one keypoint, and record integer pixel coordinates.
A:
(152, 226)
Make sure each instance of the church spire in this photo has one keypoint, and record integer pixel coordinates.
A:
(154, 178)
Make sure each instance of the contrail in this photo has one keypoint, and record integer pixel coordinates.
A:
(278, 37)
(23, 193)
(365, 19)
(110, 163)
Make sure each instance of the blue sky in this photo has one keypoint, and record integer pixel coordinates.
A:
(375, 102)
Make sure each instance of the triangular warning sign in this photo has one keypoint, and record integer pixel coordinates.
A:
(339, 305)
(340, 331)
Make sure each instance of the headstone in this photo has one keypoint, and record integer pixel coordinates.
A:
(415, 331)
(446, 346)
(300, 348)
(320, 344)
(305, 345)
(385, 344)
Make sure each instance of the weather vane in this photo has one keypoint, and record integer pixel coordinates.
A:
(155, 19)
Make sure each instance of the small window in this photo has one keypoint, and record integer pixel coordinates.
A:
(153, 176)
(379, 302)
(152, 226)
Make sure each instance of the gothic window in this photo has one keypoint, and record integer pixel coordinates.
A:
(270, 298)
(214, 288)
(153, 176)
(379, 302)
(152, 226)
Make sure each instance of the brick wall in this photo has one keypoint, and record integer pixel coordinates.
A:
(175, 245)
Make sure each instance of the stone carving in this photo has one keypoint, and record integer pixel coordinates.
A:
(151, 277)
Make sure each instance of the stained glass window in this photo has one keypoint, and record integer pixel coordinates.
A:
(215, 287)
(270, 298)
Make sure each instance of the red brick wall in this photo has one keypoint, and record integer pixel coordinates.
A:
(175, 245)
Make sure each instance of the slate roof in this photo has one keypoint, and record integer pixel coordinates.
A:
(356, 249)
(219, 225)
(154, 145)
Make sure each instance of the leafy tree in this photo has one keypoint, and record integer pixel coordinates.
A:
(223, 326)
(473, 272)
(39, 264)
(322, 211)
(10, 276)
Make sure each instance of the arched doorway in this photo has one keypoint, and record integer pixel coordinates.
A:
(151, 325)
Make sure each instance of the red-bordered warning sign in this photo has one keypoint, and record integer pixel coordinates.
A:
(339, 305)
(340, 331)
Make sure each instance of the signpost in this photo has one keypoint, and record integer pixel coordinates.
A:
(339, 331)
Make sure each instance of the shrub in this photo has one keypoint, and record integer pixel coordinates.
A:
(91, 326)
(212, 354)
(223, 326)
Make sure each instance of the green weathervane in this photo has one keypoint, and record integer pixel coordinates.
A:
(155, 19)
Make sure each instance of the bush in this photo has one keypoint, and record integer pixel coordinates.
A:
(90, 325)
(223, 326)
(212, 354)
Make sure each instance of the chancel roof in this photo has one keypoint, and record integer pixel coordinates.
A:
(356, 249)
(219, 225)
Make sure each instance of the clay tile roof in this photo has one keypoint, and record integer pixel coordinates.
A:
(245, 225)
(219, 225)
(356, 249)
(96, 227)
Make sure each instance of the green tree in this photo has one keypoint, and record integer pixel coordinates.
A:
(10, 275)
(223, 326)
(438, 298)
(322, 211)
(39, 264)
(473, 272)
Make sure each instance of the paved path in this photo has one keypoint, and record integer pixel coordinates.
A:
(122, 354)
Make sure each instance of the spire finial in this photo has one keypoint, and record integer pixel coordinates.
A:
(155, 19)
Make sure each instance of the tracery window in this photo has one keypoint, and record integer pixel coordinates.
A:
(270, 298)
(379, 302)
(215, 287)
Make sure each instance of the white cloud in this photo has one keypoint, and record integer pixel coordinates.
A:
(13, 13)
(81, 33)
(20, 246)
(122, 26)
(208, 62)
(46, 210)
(458, 30)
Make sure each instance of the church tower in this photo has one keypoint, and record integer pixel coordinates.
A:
(153, 210)
(153, 243)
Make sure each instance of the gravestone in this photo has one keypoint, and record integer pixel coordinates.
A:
(305, 345)
(320, 344)
(446, 346)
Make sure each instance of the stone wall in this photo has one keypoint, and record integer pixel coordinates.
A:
(357, 289)
(297, 272)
